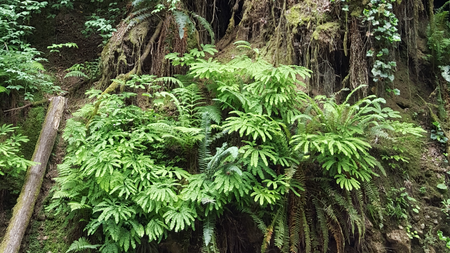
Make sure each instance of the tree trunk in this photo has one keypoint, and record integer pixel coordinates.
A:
(25, 203)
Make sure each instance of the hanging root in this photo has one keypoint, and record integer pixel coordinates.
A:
(148, 48)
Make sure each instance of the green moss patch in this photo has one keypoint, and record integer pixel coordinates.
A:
(305, 13)
(327, 32)
(31, 127)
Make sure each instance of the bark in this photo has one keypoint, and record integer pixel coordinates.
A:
(33, 181)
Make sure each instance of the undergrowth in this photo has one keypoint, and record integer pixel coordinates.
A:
(301, 167)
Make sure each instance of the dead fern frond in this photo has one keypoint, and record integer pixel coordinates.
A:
(307, 233)
(336, 231)
(322, 220)
(295, 227)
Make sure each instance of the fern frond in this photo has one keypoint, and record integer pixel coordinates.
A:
(81, 245)
(336, 231)
(281, 238)
(206, 25)
(208, 229)
(322, 220)
(204, 153)
(307, 233)
(335, 228)
(183, 21)
(168, 79)
(141, 15)
(212, 111)
(76, 73)
(256, 217)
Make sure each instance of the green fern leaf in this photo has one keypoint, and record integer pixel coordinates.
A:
(208, 229)
(76, 73)
(179, 219)
(183, 21)
(156, 229)
(81, 244)
(206, 25)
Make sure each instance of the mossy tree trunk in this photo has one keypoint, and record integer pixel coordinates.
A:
(25, 203)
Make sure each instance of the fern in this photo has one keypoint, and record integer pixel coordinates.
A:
(179, 219)
(138, 17)
(322, 220)
(206, 25)
(81, 245)
(184, 22)
(156, 230)
(208, 229)
(76, 73)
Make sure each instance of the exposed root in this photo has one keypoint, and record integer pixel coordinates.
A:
(148, 48)
(358, 64)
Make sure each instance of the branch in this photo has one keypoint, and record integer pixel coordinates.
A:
(30, 104)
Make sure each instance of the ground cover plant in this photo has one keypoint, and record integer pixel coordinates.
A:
(226, 136)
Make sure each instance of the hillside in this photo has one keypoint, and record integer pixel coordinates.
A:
(230, 126)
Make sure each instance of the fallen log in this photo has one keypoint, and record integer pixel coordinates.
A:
(25, 203)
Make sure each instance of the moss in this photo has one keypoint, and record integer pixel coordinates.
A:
(192, 40)
(49, 235)
(31, 127)
(305, 13)
(326, 32)
(138, 33)
(297, 16)
(357, 12)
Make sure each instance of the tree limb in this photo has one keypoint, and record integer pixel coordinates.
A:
(30, 104)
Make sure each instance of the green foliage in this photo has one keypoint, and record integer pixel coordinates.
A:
(444, 238)
(244, 138)
(20, 67)
(101, 26)
(55, 47)
(143, 9)
(437, 134)
(183, 22)
(12, 165)
(399, 203)
(88, 70)
(335, 136)
(438, 34)
(446, 207)
(442, 186)
(380, 16)
(80, 245)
